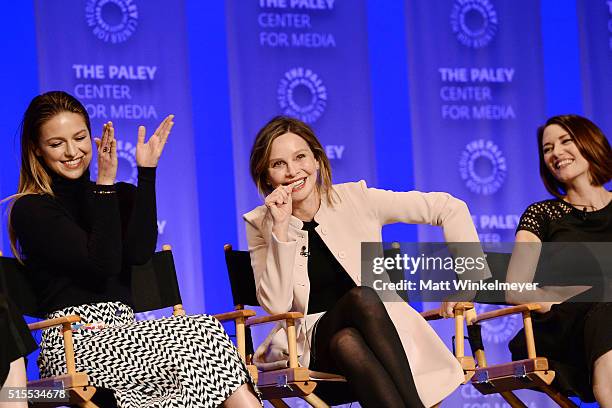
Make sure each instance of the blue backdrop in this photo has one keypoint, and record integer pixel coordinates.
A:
(303, 59)
(385, 84)
(118, 63)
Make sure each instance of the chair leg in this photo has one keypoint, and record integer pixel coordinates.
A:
(512, 399)
(559, 398)
(314, 401)
(278, 403)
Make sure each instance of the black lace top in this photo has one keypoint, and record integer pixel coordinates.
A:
(568, 263)
(557, 221)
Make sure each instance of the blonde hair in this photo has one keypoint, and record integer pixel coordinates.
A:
(33, 176)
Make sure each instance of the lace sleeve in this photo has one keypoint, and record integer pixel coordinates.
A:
(534, 220)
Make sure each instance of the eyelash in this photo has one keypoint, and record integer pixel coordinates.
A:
(279, 163)
(58, 144)
(564, 141)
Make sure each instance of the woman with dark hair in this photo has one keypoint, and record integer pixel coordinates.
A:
(79, 240)
(305, 246)
(571, 330)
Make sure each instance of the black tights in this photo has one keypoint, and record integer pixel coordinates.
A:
(357, 339)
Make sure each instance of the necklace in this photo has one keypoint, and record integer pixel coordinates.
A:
(586, 208)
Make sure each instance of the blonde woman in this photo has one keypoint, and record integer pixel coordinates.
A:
(79, 239)
(305, 246)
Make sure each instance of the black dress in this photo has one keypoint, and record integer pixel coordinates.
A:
(573, 334)
(329, 281)
(79, 246)
(15, 338)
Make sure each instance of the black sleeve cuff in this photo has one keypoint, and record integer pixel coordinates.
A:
(146, 174)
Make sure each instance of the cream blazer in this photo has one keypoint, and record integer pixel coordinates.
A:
(281, 275)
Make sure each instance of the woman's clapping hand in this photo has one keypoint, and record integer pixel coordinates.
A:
(148, 154)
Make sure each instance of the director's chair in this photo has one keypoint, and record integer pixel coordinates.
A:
(154, 286)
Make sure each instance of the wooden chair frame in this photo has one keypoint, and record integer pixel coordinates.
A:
(76, 384)
(532, 372)
(291, 382)
(296, 381)
(461, 310)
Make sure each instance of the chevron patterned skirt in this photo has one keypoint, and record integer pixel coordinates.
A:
(183, 361)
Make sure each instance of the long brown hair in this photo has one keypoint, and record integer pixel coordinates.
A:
(260, 153)
(591, 143)
(33, 176)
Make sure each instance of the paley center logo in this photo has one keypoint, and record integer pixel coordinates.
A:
(482, 167)
(127, 168)
(302, 94)
(112, 21)
(498, 331)
(474, 22)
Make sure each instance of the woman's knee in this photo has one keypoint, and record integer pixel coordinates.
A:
(345, 341)
(16, 378)
(602, 372)
(365, 303)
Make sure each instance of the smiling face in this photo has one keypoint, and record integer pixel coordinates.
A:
(65, 145)
(292, 162)
(562, 156)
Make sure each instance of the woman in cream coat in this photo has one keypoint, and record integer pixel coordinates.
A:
(395, 348)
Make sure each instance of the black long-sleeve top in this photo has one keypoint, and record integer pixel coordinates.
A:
(80, 243)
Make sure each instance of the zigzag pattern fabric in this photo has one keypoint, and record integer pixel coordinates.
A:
(176, 362)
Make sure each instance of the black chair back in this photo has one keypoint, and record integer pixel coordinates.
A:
(242, 280)
(154, 284)
(14, 281)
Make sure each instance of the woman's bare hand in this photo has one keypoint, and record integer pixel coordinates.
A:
(107, 155)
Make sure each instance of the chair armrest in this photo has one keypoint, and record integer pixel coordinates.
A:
(464, 306)
(528, 307)
(291, 331)
(239, 317)
(274, 318)
(66, 323)
(434, 314)
(246, 313)
(459, 309)
(525, 310)
(58, 321)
